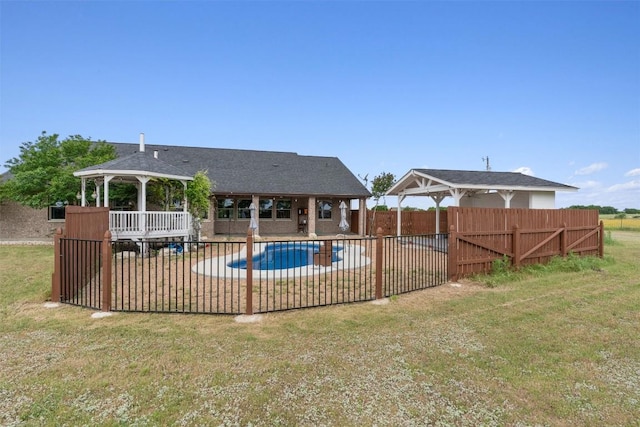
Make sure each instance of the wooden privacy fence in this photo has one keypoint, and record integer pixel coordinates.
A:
(479, 236)
(413, 222)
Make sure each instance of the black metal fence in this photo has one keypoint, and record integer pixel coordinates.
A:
(80, 264)
(249, 277)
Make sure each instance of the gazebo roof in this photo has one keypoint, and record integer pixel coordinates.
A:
(434, 182)
(140, 163)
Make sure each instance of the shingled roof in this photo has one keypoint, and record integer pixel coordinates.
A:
(235, 171)
(138, 163)
(432, 181)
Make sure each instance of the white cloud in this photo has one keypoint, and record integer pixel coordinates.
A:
(592, 168)
(525, 170)
(586, 185)
(633, 172)
(631, 185)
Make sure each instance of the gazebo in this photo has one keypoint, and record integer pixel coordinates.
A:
(138, 168)
(477, 189)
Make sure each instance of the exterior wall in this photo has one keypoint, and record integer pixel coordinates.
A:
(542, 200)
(275, 226)
(19, 222)
(521, 199)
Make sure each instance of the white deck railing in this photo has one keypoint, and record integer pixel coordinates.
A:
(137, 224)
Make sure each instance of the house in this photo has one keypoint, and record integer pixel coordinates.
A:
(288, 193)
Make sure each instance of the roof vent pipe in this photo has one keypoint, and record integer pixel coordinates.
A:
(142, 142)
(155, 154)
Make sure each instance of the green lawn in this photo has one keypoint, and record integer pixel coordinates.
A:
(557, 349)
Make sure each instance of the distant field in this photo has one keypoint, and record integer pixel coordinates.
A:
(631, 222)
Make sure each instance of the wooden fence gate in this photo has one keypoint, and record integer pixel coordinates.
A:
(479, 236)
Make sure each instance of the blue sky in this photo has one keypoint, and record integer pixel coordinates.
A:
(551, 88)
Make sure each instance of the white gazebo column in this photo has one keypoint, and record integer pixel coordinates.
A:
(401, 198)
(142, 202)
(457, 194)
(107, 178)
(184, 199)
(97, 183)
(83, 192)
(437, 199)
(506, 195)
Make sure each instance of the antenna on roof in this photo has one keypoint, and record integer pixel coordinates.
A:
(486, 160)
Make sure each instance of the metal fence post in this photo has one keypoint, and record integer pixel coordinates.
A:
(452, 253)
(249, 302)
(106, 271)
(379, 243)
(55, 276)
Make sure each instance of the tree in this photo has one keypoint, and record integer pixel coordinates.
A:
(381, 184)
(198, 195)
(43, 172)
(379, 187)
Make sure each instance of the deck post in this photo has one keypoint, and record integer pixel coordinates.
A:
(515, 246)
(106, 271)
(601, 240)
(249, 302)
(55, 277)
(379, 263)
(452, 253)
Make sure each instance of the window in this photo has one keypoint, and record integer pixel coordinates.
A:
(56, 212)
(266, 208)
(324, 209)
(225, 208)
(243, 208)
(283, 209)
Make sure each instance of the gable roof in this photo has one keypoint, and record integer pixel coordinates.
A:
(247, 172)
(434, 181)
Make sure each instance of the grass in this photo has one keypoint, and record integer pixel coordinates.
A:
(551, 346)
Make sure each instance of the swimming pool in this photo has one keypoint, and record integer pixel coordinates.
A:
(285, 255)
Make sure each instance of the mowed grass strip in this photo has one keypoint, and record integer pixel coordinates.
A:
(548, 348)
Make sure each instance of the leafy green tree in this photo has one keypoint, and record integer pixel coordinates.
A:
(163, 192)
(43, 172)
(199, 196)
(380, 184)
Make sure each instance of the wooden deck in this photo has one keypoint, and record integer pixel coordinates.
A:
(146, 225)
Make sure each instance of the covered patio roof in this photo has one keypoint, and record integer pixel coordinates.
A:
(441, 183)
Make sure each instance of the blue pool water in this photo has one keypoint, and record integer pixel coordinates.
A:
(283, 255)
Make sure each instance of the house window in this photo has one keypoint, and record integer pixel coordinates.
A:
(283, 209)
(243, 208)
(56, 212)
(266, 208)
(225, 208)
(324, 209)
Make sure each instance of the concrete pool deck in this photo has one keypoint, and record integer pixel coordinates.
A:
(352, 257)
